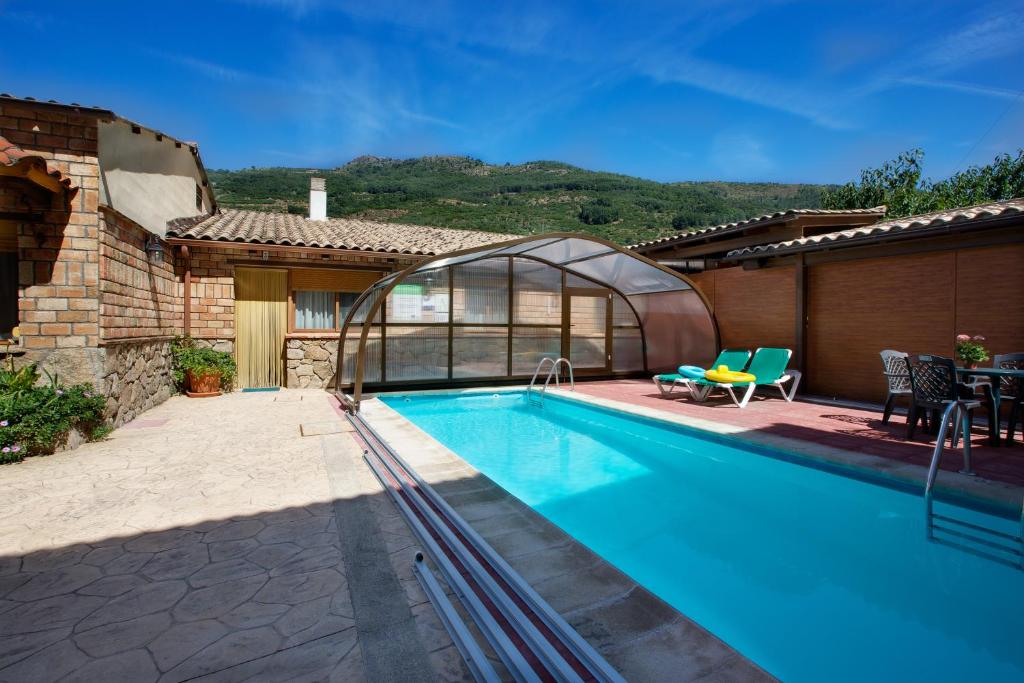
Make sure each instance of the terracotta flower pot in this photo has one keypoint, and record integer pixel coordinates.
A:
(202, 384)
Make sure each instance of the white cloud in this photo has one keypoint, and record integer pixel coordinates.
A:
(740, 155)
(959, 86)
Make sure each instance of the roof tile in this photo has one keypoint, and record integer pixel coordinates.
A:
(910, 223)
(751, 222)
(12, 155)
(262, 227)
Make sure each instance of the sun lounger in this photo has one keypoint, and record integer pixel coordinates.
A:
(734, 359)
(768, 367)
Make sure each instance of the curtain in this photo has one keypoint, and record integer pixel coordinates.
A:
(261, 320)
(314, 310)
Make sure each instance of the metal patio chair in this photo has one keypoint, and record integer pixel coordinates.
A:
(1012, 389)
(934, 384)
(894, 364)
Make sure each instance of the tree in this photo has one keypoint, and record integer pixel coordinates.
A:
(598, 212)
(894, 185)
(898, 185)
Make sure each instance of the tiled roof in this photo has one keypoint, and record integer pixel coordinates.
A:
(12, 155)
(777, 217)
(260, 227)
(937, 219)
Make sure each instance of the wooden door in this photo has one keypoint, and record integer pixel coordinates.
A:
(261, 321)
(587, 330)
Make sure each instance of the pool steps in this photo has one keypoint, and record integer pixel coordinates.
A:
(533, 641)
(538, 398)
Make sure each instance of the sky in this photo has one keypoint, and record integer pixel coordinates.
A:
(686, 90)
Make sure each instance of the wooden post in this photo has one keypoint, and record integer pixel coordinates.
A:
(187, 321)
(800, 273)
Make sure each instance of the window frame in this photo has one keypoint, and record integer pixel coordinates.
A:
(339, 321)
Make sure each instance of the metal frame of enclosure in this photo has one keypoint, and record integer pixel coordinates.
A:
(489, 314)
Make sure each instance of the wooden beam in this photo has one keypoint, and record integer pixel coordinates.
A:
(187, 321)
(800, 273)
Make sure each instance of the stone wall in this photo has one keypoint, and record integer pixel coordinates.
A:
(135, 376)
(310, 362)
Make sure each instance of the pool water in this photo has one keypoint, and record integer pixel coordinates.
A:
(812, 575)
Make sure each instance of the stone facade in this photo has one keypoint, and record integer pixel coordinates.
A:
(310, 362)
(136, 376)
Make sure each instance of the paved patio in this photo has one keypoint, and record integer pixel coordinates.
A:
(851, 429)
(208, 540)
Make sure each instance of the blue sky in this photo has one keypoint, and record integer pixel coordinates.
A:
(695, 90)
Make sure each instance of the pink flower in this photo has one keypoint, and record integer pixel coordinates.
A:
(5, 449)
(978, 337)
(963, 337)
(4, 423)
(15, 448)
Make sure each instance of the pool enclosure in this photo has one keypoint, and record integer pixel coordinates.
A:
(491, 313)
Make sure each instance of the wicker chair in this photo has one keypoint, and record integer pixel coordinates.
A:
(894, 364)
(934, 384)
(1011, 389)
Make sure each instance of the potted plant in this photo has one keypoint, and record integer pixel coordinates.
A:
(201, 371)
(970, 351)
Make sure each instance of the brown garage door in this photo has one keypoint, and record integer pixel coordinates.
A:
(857, 308)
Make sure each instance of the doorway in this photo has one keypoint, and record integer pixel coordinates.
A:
(261, 321)
(587, 329)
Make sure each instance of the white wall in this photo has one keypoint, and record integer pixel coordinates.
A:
(148, 180)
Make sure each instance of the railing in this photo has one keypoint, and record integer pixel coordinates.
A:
(553, 372)
(995, 545)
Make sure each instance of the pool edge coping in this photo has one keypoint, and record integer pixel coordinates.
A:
(981, 492)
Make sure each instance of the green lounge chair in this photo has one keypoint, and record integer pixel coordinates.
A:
(768, 366)
(734, 359)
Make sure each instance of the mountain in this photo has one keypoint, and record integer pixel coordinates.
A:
(535, 197)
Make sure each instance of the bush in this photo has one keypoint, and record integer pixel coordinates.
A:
(598, 212)
(36, 419)
(188, 356)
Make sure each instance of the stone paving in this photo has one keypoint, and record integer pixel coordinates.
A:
(201, 544)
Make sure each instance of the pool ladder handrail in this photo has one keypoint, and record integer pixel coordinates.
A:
(552, 372)
(1011, 544)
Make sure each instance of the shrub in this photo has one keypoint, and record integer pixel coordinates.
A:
(36, 419)
(188, 356)
(598, 212)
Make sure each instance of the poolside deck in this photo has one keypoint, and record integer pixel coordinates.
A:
(851, 429)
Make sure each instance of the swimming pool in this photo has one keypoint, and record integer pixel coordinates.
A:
(812, 575)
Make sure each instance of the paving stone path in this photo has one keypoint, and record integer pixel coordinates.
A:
(201, 544)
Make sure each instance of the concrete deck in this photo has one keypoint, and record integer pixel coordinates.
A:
(849, 435)
(211, 541)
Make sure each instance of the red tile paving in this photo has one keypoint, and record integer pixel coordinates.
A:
(851, 429)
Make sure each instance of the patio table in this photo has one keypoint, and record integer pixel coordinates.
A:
(995, 374)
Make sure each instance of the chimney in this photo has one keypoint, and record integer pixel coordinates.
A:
(317, 199)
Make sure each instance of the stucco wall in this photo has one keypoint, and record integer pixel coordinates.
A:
(148, 180)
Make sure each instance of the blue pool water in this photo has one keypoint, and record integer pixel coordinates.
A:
(813, 575)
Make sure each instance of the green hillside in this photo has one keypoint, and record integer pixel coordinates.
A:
(541, 196)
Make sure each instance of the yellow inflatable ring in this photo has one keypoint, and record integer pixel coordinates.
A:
(724, 374)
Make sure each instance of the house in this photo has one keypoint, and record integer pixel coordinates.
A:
(111, 244)
(840, 286)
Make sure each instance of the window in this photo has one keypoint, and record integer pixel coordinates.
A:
(315, 310)
(323, 297)
(199, 198)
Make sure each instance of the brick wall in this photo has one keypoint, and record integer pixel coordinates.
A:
(213, 282)
(139, 296)
(58, 273)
